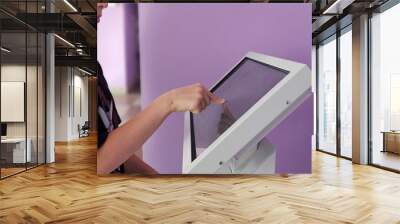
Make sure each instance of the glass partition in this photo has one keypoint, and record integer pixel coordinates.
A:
(13, 108)
(327, 96)
(385, 89)
(346, 93)
(22, 78)
(31, 98)
(41, 96)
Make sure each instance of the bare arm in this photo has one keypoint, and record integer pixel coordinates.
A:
(124, 141)
(136, 165)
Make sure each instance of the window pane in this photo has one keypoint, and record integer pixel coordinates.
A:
(346, 94)
(327, 96)
(385, 93)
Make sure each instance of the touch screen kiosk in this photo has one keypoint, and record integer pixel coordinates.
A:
(260, 91)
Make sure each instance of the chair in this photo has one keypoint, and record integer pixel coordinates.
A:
(84, 130)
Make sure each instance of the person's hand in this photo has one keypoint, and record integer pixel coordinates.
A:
(194, 98)
(227, 119)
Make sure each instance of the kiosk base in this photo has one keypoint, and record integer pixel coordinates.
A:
(257, 159)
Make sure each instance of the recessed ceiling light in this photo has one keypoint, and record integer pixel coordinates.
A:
(337, 7)
(84, 71)
(64, 40)
(5, 50)
(70, 5)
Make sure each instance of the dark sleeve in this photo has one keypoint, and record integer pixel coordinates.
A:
(104, 100)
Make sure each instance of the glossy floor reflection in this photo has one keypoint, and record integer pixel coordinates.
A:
(387, 159)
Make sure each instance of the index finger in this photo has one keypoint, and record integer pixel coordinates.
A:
(215, 99)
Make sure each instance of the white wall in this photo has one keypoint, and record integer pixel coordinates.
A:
(80, 85)
(12, 73)
(61, 103)
(70, 83)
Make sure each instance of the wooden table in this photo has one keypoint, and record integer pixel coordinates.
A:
(13, 150)
(391, 141)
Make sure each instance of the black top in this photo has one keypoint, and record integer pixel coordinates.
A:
(108, 118)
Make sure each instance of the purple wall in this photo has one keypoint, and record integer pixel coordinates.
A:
(181, 44)
(117, 41)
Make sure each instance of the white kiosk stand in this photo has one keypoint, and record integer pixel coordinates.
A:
(260, 91)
